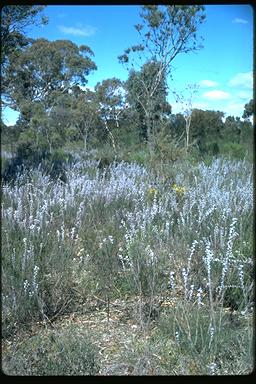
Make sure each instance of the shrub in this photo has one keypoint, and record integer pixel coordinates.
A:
(30, 157)
(68, 352)
(140, 236)
(236, 150)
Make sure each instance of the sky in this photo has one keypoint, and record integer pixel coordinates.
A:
(221, 70)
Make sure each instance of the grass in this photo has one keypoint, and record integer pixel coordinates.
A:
(66, 353)
(159, 256)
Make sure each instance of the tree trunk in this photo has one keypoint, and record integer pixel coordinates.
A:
(188, 120)
(111, 136)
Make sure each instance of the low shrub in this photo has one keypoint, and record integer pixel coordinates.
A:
(235, 150)
(68, 352)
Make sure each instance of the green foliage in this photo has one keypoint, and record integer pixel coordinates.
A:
(206, 127)
(232, 129)
(140, 156)
(31, 156)
(104, 155)
(14, 20)
(114, 236)
(113, 231)
(165, 147)
(189, 331)
(249, 109)
(167, 32)
(235, 150)
(45, 67)
(69, 352)
(43, 86)
(147, 97)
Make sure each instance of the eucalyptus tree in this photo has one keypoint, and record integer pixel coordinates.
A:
(109, 94)
(15, 19)
(45, 67)
(249, 109)
(41, 73)
(138, 85)
(86, 121)
(166, 32)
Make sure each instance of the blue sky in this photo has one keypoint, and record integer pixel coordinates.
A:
(222, 69)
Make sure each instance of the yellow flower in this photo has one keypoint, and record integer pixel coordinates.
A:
(178, 189)
(152, 192)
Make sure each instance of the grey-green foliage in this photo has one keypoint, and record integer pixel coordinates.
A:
(165, 32)
(68, 352)
(43, 86)
(206, 128)
(147, 97)
(45, 67)
(14, 21)
(109, 96)
(249, 109)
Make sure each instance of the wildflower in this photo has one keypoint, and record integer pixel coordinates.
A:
(199, 296)
(185, 277)
(191, 292)
(34, 283)
(152, 192)
(241, 276)
(178, 189)
(177, 337)
(111, 239)
(150, 254)
(192, 250)
(172, 280)
(212, 368)
(26, 285)
(212, 332)
(72, 233)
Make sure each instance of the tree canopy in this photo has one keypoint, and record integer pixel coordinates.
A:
(147, 97)
(44, 69)
(14, 20)
(248, 109)
(45, 81)
(166, 31)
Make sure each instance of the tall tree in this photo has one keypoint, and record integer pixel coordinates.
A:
(41, 79)
(149, 111)
(166, 31)
(249, 109)
(44, 68)
(14, 21)
(110, 97)
(86, 120)
(232, 129)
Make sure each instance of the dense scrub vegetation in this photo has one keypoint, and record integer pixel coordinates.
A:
(172, 247)
(45, 82)
(126, 229)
